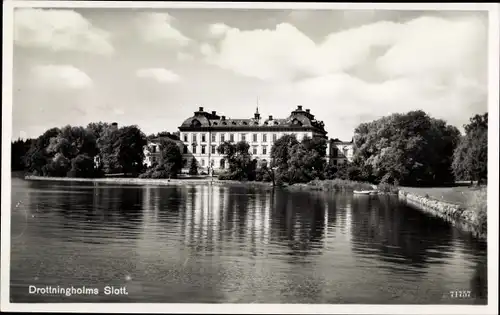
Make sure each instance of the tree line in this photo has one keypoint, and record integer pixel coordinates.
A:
(411, 149)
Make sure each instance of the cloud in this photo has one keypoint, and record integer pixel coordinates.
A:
(59, 30)
(422, 45)
(57, 76)
(218, 30)
(157, 28)
(159, 74)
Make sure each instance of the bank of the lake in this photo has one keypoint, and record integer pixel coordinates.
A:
(469, 216)
(336, 185)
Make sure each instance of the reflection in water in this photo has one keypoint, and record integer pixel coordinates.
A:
(209, 243)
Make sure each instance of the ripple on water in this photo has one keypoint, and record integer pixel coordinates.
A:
(170, 244)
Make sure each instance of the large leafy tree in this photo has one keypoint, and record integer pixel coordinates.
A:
(280, 155)
(409, 149)
(170, 158)
(37, 156)
(470, 159)
(122, 150)
(306, 160)
(241, 164)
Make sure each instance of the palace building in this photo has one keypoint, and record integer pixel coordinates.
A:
(202, 133)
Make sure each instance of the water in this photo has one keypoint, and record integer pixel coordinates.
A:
(223, 244)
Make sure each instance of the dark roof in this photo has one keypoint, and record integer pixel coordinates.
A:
(297, 119)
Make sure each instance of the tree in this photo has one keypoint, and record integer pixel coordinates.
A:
(82, 166)
(19, 149)
(408, 149)
(241, 164)
(37, 156)
(470, 159)
(280, 154)
(170, 158)
(122, 150)
(193, 168)
(299, 162)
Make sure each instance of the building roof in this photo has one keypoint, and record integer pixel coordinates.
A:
(299, 119)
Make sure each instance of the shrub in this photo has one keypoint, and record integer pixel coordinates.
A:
(388, 188)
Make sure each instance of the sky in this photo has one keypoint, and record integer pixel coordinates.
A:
(154, 68)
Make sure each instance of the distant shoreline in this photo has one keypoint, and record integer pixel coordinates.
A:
(149, 181)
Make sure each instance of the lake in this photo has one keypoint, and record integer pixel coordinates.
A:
(234, 244)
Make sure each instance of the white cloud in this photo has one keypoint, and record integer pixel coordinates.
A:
(159, 74)
(157, 28)
(59, 30)
(57, 76)
(422, 45)
(429, 63)
(218, 30)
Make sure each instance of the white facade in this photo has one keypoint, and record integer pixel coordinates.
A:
(342, 152)
(203, 145)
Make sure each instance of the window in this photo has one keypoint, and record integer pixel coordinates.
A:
(185, 150)
(254, 137)
(264, 149)
(202, 162)
(213, 149)
(184, 163)
(186, 138)
(243, 137)
(231, 137)
(194, 149)
(335, 152)
(153, 149)
(335, 162)
(222, 138)
(254, 149)
(275, 136)
(222, 163)
(153, 159)
(194, 137)
(203, 138)
(264, 138)
(203, 149)
(213, 137)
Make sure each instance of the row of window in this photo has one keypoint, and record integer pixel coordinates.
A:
(222, 137)
(214, 149)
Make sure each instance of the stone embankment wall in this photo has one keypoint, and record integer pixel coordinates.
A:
(459, 216)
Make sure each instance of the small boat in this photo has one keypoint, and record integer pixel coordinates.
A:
(362, 192)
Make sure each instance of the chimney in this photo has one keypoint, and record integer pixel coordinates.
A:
(223, 117)
(257, 116)
(308, 111)
(214, 112)
(299, 107)
(114, 126)
(200, 109)
(270, 117)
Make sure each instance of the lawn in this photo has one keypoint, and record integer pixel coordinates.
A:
(459, 195)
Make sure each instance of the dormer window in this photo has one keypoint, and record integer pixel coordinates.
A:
(224, 123)
(276, 123)
(245, 123)
(215, 123)
(196, 123)
(234, 123)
